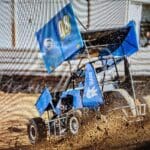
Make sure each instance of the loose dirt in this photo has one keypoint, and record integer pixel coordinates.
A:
(95, 133)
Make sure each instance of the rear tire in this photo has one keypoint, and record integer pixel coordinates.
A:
(73, 125)
(37, 131)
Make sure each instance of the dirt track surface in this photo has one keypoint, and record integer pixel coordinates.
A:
(17, 109)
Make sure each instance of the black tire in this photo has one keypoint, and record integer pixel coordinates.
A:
(37, 131)
(73, 125)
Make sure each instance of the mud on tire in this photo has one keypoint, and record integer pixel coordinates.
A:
(36, 130)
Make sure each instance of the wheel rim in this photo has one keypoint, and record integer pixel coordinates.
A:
(74, 125)
(32, 132)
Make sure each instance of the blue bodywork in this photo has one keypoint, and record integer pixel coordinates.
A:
(130, 44)
(44, 101)
(77, 99)
(60, 40)
(92, 95)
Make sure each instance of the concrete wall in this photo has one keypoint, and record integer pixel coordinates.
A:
(30, 15)
(5, 25)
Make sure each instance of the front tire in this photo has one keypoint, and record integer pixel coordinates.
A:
(36, 130)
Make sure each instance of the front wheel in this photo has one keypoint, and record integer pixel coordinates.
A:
(36, 130)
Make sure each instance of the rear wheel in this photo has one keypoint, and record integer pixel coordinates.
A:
(73, 125)
(36, 130)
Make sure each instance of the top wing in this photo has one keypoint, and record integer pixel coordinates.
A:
(59, 39)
